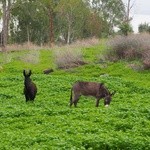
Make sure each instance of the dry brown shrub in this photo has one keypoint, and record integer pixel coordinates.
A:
(33, 57)
(86, 42)
(146, 59)
(125, 47)
(30, 46)
(65, 56)
(132, 47)
(25, 46)
(68, 58)
(83, 43)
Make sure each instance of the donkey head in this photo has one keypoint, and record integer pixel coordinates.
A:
(106, 95)
(27, 75)
(108, 98)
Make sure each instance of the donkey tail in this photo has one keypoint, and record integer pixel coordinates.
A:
(71, 97)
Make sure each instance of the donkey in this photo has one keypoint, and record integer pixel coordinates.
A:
(97, 90)
(30, 88)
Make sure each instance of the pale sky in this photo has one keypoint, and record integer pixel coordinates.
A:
(140, 12)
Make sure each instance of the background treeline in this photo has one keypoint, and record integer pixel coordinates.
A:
(52, 21)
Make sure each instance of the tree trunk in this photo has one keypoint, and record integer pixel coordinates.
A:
(6, 18)
(4, 27)
(51, 27)
(69, 34)
(28, 35)
(128, 11)
(69, 20)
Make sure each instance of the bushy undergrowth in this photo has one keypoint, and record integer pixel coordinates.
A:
(49, 123)
(132, 47)
(68, 58)
(71, 56)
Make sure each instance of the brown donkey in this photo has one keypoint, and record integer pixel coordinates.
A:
(30, 88)
(97, 90)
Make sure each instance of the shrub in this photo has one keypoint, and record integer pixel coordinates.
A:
(68, 58)
(146, 59)
(130, 47)
(32, 57)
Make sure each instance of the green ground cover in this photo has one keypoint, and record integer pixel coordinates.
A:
(49, 123)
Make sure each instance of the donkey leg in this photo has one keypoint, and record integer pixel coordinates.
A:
(71, 102)
(27, 97)
(97, 102)
(76, 99)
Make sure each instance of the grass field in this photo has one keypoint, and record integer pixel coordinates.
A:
(50, 124)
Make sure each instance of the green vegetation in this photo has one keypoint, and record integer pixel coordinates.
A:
(61, 21)
(49, 123)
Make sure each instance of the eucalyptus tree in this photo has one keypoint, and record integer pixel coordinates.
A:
(125, 26)
(30, 22)
(72, 16)
(0, 25)
(48, 7)
(112, 11)
(6, 12)
(43, 21)
(23, 13)
(144, 27)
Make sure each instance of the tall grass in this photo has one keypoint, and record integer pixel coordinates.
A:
(25, 46)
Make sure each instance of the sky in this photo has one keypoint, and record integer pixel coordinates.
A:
(140, 12)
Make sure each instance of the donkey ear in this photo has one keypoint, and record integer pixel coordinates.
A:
(29, 73)
(24, 72)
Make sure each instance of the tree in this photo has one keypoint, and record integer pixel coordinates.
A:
(112, 11)
(6, 10)
(44, 21)
(145, 27)
(30, 23)
(49, 7)
(72, 15)
(35, 21)
(95, 26)
(128, 7)
(1, 41)
(125, 27)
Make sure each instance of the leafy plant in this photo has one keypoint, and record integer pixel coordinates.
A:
(49, 123)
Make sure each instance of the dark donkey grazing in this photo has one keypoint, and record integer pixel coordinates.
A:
(30, 88)
(97, 90)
